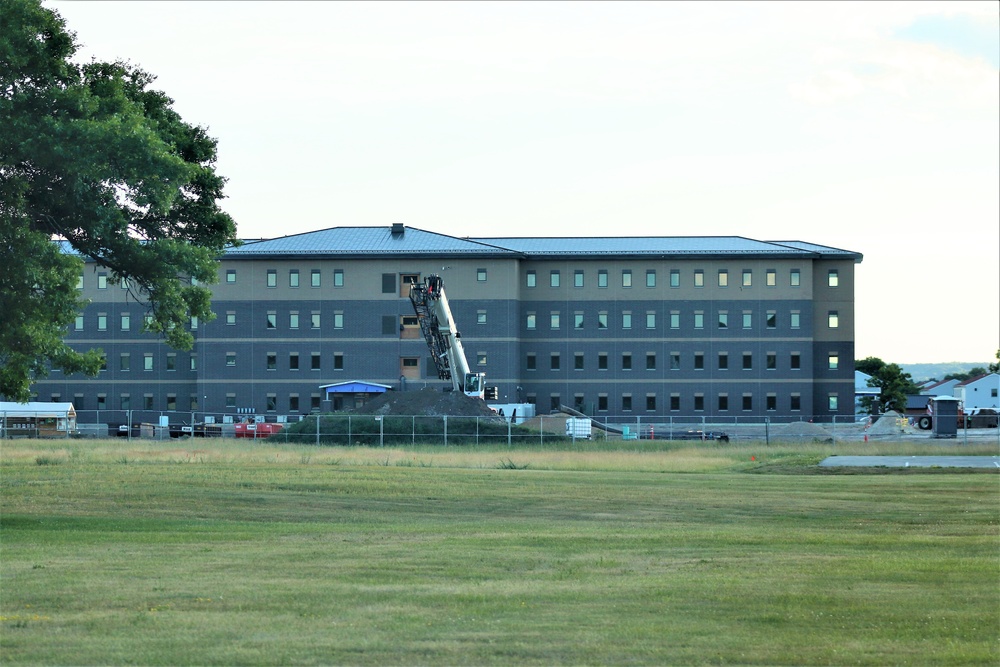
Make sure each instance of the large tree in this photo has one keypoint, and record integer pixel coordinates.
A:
(893, 384)
(94, 164)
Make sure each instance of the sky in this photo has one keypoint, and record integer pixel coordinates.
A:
(866, 126)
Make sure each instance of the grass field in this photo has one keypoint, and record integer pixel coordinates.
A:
(228, 552)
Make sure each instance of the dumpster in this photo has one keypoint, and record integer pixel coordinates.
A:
(945, 417)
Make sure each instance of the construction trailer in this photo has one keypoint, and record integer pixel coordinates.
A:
(37, 420)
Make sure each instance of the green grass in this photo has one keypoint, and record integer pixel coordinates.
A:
(224, 552)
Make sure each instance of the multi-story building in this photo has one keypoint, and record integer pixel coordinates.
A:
(656, 326)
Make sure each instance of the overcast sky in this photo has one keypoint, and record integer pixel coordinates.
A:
(864, 126)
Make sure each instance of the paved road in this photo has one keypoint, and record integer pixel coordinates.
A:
(917, 461)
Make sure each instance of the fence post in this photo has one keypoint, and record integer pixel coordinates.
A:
(317, 430)
(445, 430)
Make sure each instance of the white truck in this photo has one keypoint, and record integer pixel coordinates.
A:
(443, 339)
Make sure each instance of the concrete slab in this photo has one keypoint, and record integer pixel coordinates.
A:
(914, 461)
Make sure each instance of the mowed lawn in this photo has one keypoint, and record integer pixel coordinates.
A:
(230, 553)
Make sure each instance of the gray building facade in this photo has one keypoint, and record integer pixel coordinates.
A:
(714, 327)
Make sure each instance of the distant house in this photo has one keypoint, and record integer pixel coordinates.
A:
(942, 388)
(37, 419)
(980, 392)
(861, 390)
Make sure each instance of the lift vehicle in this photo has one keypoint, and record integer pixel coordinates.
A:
(430, 303)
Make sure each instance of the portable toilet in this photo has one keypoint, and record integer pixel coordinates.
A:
(945, 417)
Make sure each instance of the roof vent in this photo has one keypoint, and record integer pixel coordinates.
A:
(397, 229)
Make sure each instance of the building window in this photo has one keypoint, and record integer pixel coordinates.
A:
(578, 361)
(747, 361)
(293, 320)
(171, 401)
(272, 319)
(747, 278)
(230, 400)
(602, 278)
(723, 319)
(125, 361)
(314, 320)
(627, 319)
(481, 358)
(171, 361)
(481, 275)
(231, 318)
(675, 361)
(79, 284)
(577, 320)
(293, 278)
(747, 319)
(554, 320)
(833, 319)
(699, 319)
(102, 322)
(194, 323)
(650, 277)
(530, 362)
(795, 402)
(126, 322)
(230, 275)
(795, 361)
(147, 362)
(529, 279)
(723, 278)
(626, 361)
(147, 402)
(338, 319)
(675, 319)
(675, 402)
(338, 277)
(699, 402)
(723, 402)
(650, 361)
(626, 402)
(650, 319)
(772, 319)
(747, 402)
(833, 361)
(230, 358)
(314, 363)
(315, 278)
(796, 319)
(723, 361)
(795, 278)
(530, 321)
(293, 361)
(626, 277)
(602, 361)
(771, 402)
(554, 361)
(602, 402)
(555, 401)
(554, 278)
(125, 401)
(699, 361)
(831, 402)
(102, 281)
(602, 319)
(675, 278)
(699, 278)
(771, 361)
(389, 283)
(314, 402)
(102, 401)
(272, 402)
(650, 402)
(293, 403)
(338, 361)
(272, 277)
(771, 278)
(578, 279)
(78, 324)
(272, 361)
(480, 317)
(193, 362)
(832, 278)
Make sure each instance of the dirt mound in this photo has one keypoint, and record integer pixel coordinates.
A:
(803, 430)
(891, 423)
(427, 401)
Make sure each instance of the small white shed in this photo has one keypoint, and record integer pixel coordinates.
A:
(37, 419)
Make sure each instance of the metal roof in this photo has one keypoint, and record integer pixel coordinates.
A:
(371, 241)
(410, 241)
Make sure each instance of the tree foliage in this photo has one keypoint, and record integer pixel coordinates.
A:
(92, 156)
(893, 384)
(995, 368)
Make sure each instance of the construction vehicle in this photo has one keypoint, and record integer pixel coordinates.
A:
(443, 339)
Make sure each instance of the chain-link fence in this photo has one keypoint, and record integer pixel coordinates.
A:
(398, 430)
